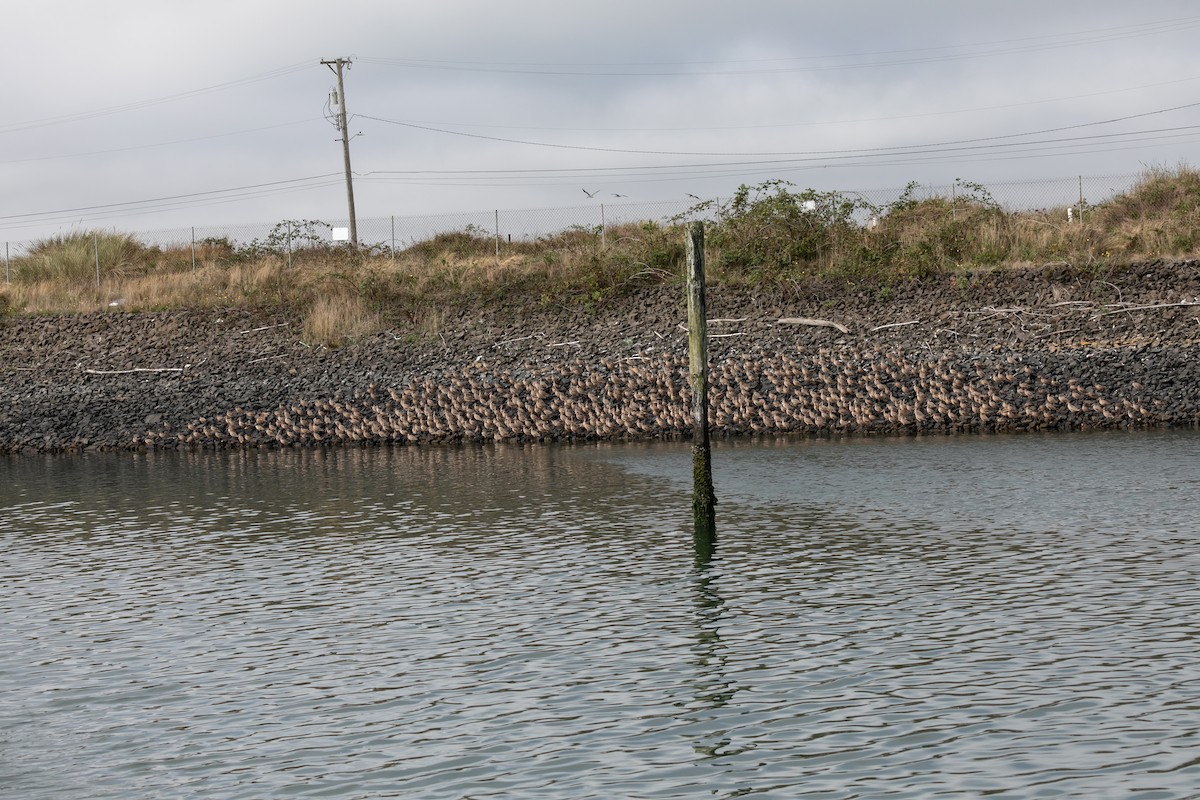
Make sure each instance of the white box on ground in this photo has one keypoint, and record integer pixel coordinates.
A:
(341, 234)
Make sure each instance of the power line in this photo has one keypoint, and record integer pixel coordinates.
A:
(827, 153)
(656, 173)
(814, 123)
(1172, 23)
(157, 144)
(118, 109)
(975, 50)
(138, 212)
(167, 198)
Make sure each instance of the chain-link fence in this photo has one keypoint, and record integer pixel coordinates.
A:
(395, 233)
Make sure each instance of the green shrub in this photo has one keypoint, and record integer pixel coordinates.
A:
(769, 227)
(74, 257)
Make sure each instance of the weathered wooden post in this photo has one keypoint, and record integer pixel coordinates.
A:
(703, 497)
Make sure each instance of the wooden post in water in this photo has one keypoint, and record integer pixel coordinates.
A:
(703, 497)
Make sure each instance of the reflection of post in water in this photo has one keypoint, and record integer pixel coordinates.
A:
(703, 497)
(712, 687)
(705, 536)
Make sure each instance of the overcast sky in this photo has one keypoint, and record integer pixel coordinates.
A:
(109, 109)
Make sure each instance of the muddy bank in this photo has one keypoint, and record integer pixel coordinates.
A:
(1024, 350)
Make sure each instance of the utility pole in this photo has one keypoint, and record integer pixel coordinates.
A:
(342, 123)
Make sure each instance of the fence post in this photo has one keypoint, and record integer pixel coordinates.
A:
(703, 496)
(7, 265)
(96, 248)
(497, 235)
(393, 251)
(193, 250)
(1080, 199)
(289, 235)
(603, 225)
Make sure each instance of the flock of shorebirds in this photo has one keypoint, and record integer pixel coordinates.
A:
(649, 397)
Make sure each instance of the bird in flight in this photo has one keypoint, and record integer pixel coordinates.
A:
(619, 195)
(689, 194)
(590, 194)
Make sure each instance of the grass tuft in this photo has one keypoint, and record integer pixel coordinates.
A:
(74, 257)
(339, 317)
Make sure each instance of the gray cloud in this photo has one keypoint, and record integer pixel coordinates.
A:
(238, 91)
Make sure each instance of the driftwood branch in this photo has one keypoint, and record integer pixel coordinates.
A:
(1149, 308)
(135, 369)
(519, 338)
(895, 325)
(719, 321)
(265, 328)
(817, 323)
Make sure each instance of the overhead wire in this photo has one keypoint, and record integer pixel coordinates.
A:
(121, 108)
(1172, 22)
(656, 172)
(165, 201)
(152, 145)
(971, 51)
(826, 153)
(810, 123)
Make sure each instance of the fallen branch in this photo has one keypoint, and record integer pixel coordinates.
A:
(816, 323)
(264, 358)
(564, 344)
(517, 339)
(265, 328)
(895, 325)
(1148, 308)
(993, 311)
(683, 325)
(135, 369)
(683, 328)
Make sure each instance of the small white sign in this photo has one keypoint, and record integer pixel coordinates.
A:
(341, 234)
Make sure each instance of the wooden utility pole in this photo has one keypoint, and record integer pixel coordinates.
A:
(342, 122)
(703, 497)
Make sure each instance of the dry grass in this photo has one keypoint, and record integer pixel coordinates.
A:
(338, 317)
(772, 236)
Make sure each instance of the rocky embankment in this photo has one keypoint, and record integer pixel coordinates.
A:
(998, 351)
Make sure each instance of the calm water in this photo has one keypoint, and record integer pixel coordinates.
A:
(902, 618)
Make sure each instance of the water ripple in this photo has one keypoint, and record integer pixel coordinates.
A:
(898, 618)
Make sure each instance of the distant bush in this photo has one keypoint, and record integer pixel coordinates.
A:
(770, 227)
(74, 257)
(1160, 216)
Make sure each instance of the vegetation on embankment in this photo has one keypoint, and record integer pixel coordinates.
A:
(770, 235)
